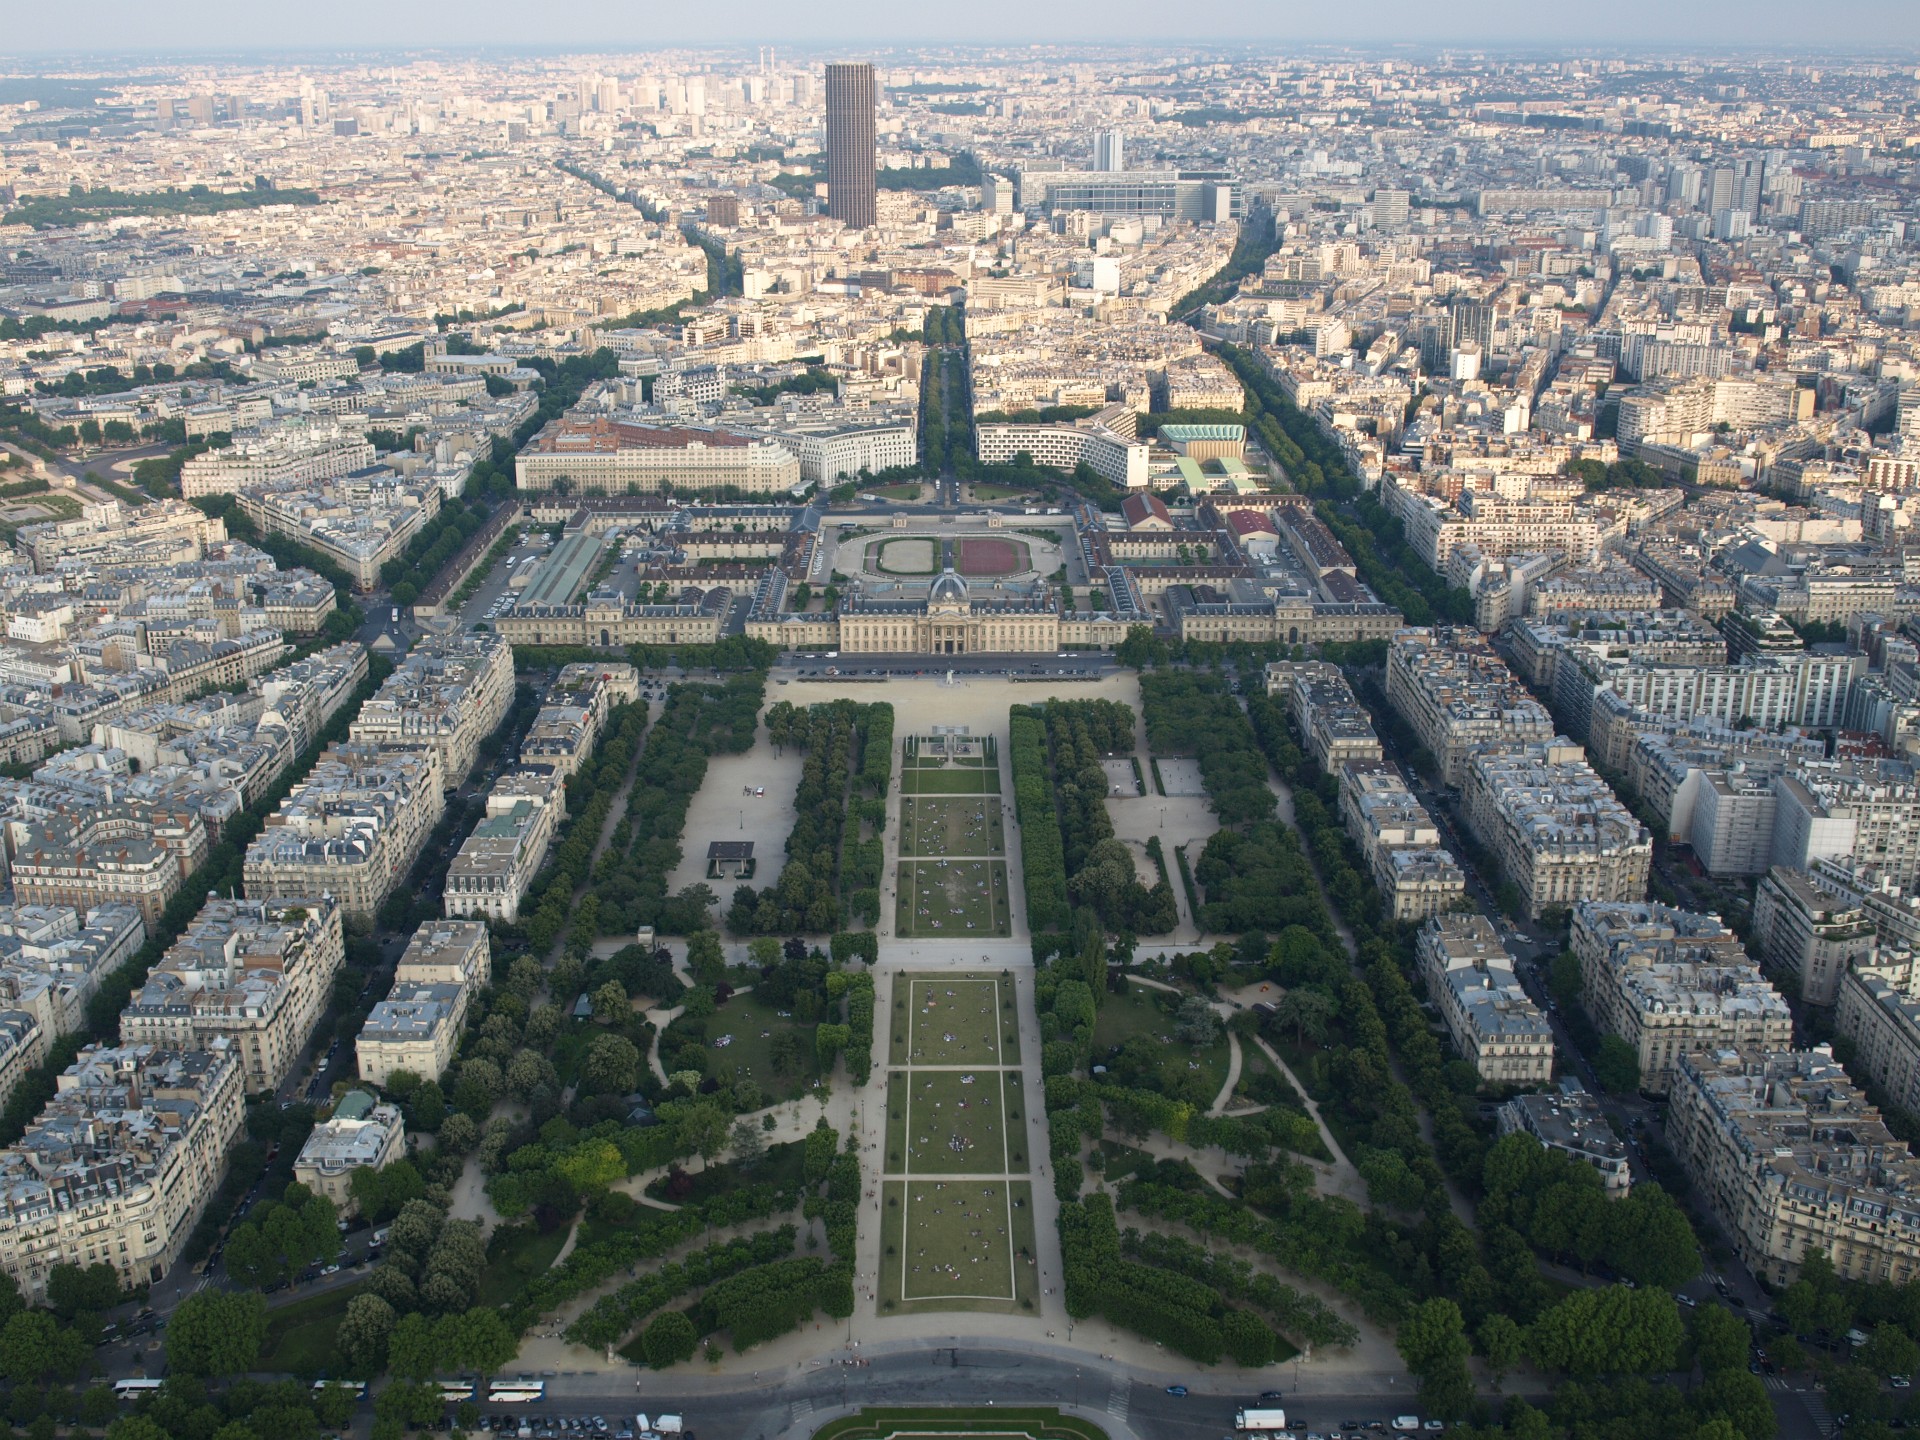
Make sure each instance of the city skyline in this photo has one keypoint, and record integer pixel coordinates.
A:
(219, 26)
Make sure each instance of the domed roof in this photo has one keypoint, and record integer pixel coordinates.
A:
(949, 589)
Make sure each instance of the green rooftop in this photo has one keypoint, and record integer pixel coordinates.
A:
(1203, 432)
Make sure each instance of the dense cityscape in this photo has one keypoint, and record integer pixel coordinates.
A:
(1322, 646)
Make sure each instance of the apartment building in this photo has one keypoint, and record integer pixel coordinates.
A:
(361, 1134)
(1554, 827)
(108, 528)
(1332, 722)
(602, 455)
(450, 693)
(1795, 1162)
(1876, 1011)
(1865, 810)
(133, 855)
(1115, 456)
(1569, 1120)
(446, 952)
(1457, 695)
(498, 860)
(1398, 840)
(52, 959)
(118, 1166)
(1470, 977)
(258, 973)
(352, 829)
(1670, 982)
(1809, 932)
(416, 1029)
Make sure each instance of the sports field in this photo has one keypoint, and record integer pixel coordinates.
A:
(952, 899)
(990, 555)
(957, 1226)
(956, 826)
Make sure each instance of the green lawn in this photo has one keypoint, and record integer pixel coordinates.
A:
(952, 899)
(986, 493)
(748, 1028)
(952, 779)
(951, 827)
(958, 1245)
(1137, 1013)
(894, 492)
(956, 1123)
(300, 1335)
(975, 1011)
(516, 1255)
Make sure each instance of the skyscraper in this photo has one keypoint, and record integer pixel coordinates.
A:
(1109, 150)
(850, 172)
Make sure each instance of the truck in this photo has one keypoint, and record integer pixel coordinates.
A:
(1256, 1421)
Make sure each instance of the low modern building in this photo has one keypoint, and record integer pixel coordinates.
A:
(599, 454)
(1795, 1162)
(118, 1166)
(1496, 1028)
(1570, 1120)
(361, 1134)
(1808, 932)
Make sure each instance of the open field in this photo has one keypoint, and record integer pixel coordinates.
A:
(953, 780)
(953, 1122)
(723, 809)
(1202, 1069)
(910, 555)
(935, 1014)
(951, 827)
(957, 1219)
(948, 899)
(983, 555)
(737, 1042)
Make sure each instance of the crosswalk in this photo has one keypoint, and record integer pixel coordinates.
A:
(1117, 1399)
(799, 1409)
(1814, 1402)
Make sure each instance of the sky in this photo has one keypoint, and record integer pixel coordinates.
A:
(160, 27)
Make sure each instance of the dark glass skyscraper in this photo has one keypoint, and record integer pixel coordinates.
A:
(850, 174)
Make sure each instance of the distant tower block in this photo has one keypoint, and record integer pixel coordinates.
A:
(850, 154)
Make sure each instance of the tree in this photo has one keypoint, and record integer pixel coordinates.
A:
(612, 1065)
(1195, 1022)
(412, 1349)
(703, 1130)
(610, 1001)
(1616, 1065)
(748, 1144)
(71, 1289)
(1502, 1343)
(1720, 1339)
(706, 961)
(1308, 1010)
(363, 1332)
(478, 1340)
(27, 1346)
(1433, 1343)
(217, 1332)
(669, 1339)
(1891, 1351)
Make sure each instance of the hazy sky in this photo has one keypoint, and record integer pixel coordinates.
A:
(162, 26)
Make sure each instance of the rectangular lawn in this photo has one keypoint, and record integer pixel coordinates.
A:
(951, 780)
(951, 826)
(957, 1020)
(956, 1123)
(951, 899)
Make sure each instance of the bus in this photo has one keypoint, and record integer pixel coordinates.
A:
(358, 1387)
(516, 1392)
(453, 1392)
(134, 1389)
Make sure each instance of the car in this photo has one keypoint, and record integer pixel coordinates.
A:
(1434, 1427)
(1177, 1390)
(330, 1269)
(1271, 1397)
(1686, 1300)
(1899, 1382)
